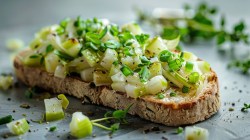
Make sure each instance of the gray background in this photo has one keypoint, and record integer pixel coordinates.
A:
(21, 19)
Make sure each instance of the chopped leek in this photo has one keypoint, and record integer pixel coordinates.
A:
(87, 74)
(51, 61)
(91, 57)
(101, 78)
(53, 109)
(6, 82)
(204, 66)
(196, 133)
(124, 58)
(61, 71)
(110, 56)
(155, 47)
(80, 125)
(32, 60)
(132, 27)
(64, 100)
(189, 56)
(156, 84)
(72, 47)
(155, 69)
(119, 86)
(18, 127)
(14, 44)
(134, 91)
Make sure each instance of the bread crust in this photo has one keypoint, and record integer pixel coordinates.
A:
(169, 113)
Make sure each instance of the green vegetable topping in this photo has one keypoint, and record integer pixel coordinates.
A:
(165, 56)
(245, 108)
(5, 119)
(185, 89)
(179, 130)
(126, 70)
(172, 94)
(49, 48)
(160, 96)
(144, 74)
(126, 58)
(193, 77)
(18, 127)
(189, 66)
(52, 129)
(142, 38)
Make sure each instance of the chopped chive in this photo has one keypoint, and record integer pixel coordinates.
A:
(53, 128)
(114, 30)
(165, 56)
(185, 89)
(5, 119)
(142, 38)
(145, 60)
(64, 22)
(60, 30)
(160, 96)
(193, 77)
(144, 74)
(34, 56)
(79, 32)
(103, 32)
(63, 56)
(175, 65)
(126, 70)
(172, 94)
(189, 66)
(116, 62)
(49, 48)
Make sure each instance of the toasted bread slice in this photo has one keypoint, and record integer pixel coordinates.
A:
(171, 111)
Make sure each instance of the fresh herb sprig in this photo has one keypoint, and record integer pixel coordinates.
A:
(117, 117)
(245, 108)
(201, 27)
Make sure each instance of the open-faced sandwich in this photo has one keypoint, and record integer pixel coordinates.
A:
(101, 63)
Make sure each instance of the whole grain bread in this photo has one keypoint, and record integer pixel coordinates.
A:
(181, 111)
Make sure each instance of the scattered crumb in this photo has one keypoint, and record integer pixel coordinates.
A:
(152, 129)
(230, 109)
(26, 106)
(164, 138)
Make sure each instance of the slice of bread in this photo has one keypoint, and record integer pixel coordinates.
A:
(171, 111)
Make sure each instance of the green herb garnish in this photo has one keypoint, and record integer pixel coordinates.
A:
(49, 48)
(142, 38)
(160, 96)
(52, 129)
(144, 74)
(126, 70)
(185, 89)
(179, 130)
(5, 119)
(245, 108)
(193, 77)
(172, 94)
